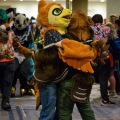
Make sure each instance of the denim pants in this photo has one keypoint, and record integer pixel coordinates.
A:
(48, 101)
(65, 105)
(7, 70)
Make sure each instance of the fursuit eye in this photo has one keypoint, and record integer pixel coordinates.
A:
(57, 11)
(24, 22)
(17, 22)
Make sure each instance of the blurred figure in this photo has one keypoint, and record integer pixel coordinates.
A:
(112, 80)
(117, 27)
(102, 71)
(117, 62)
(7, 64)
(35, 32)
(113, 18)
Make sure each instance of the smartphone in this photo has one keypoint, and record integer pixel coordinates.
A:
(33, 21)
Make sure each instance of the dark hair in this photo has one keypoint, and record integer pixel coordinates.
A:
(117, 22)
(97, 18)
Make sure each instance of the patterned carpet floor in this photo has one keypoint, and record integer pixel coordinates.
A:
(23, 108)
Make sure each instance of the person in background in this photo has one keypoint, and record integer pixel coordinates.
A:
(24, 66)
(113, 18)
(102, 71)
(113, 64)
(35, 32)
(117, 70)
(7, 64)
(117, 27)
(7, 61)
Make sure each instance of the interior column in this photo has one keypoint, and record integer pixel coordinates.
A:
(80, 5)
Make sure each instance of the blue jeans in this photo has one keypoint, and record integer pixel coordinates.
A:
(48, 101)
(35, 46)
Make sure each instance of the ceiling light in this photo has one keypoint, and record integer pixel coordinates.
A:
(4, 0)
(54, 0)
(37, 0)
(102, 0)
(21, 0)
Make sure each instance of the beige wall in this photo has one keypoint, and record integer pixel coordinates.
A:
(113, 8)
(97, 7)
(30, 8)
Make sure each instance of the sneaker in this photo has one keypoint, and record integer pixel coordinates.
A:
(106, 102)
(5, 106)
(113, 94)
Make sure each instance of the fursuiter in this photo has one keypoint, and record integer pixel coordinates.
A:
(81, 71)
(24, 65)
(80, 55)
(49, 68)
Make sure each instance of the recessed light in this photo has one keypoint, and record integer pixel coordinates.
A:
(21, 0)
(54, 0)
(102, 0)
(37, 0)
(4, 0)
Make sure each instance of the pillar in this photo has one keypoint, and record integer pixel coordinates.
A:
(80, 5)
(68, 5)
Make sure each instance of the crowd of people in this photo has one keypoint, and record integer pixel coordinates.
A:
(13, 64)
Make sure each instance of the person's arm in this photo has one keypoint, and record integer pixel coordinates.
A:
(59, 44)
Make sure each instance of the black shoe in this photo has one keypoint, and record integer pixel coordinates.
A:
(5, 106)
(106, 102)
